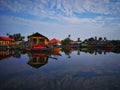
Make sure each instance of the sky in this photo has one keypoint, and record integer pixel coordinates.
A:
(59, 18)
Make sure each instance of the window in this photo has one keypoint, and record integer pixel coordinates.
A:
(41, 41)
(34, 41)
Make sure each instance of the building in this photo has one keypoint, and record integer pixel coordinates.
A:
(37, 39)
(6, 40)
(55, 41)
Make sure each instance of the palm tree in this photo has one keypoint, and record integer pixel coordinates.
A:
(95, 38)
(7, 34)
(69, 36)
(105, 39)
(100, 38)
(78, 40)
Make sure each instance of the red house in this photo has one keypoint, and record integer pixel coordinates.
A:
(55, 41)
(5, 40)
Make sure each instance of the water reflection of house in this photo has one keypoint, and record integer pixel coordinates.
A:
(37, 60)
(37, 39)
(56, 51)
(6, 54)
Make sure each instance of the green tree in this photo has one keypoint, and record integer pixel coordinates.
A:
(100, 39)
(16, 37)
(78, 40)
(66, 41)
(91, 39)
(95, 38)
(7, 34)
(69, 36)
(105, 39)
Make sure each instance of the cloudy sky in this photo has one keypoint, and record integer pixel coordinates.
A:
(58, 18)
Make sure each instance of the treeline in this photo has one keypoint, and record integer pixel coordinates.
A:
(68, 40)
(16, 37)
(92, 42)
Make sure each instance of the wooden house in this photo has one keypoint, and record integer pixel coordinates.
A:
(5, 40)
(37, 39)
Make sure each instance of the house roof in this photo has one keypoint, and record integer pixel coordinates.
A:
(54, 40)
(6, 38)
(37, 65)
(37, 35)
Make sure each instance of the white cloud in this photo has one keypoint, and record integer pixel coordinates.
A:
(63, 11)
(65, 7)
(83, 28)
(97, 6)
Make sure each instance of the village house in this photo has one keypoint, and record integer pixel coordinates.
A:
(55, 41)
(4, 41)
(37, 39)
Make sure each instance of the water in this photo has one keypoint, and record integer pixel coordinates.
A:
(73, 70)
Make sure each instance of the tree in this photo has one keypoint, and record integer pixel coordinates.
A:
(16, 37)
(91, 39)
(7, 34)
(78, 40)
(69, 36)
(100, 39)
(105, 39)
(95, 38)
(66, 41)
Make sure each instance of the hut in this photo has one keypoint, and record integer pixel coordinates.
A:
(5, 40)
(55, 41)
(37, 39)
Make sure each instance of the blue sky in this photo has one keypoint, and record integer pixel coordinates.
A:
(59, 18)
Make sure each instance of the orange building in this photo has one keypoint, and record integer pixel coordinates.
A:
(37, 39)
(5, 40)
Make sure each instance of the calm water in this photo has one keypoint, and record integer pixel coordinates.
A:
(74, 70)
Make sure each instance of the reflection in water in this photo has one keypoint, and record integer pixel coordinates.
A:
(37, 60)
(43, 56)
(11, 53)
(6, 54)
(98, 70)
(94, 51)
